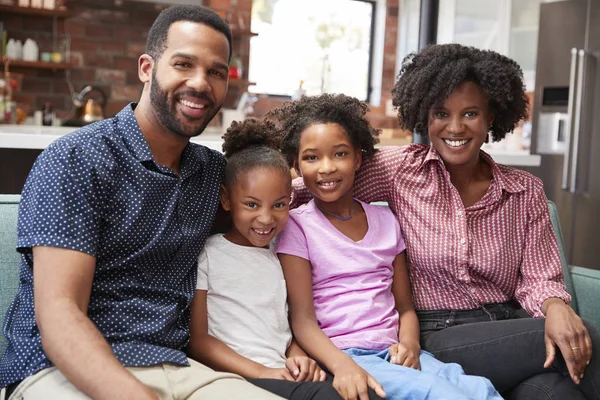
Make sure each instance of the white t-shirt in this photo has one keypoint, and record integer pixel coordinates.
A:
(246, 300)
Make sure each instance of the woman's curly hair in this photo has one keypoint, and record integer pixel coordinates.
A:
(295, 117)
(250, 144)
(427, 78)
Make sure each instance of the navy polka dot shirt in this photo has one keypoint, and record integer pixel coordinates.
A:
(99, 191)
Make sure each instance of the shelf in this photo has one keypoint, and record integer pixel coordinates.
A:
(34, 11)
(240, 83)
(37, 64)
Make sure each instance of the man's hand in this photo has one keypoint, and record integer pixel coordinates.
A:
(406, 354)
(352, 382)
(304, 369)
(565, 329)
(276, 373)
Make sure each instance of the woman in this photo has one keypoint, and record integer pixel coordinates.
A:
(479, 240)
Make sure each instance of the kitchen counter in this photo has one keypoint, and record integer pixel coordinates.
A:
(39, 137)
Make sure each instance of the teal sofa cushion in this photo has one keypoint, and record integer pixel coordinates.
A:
(586, 285)
(10, 260)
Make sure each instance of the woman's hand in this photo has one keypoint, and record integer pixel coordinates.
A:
(352, 382)
(406, 354)
(304, 369)
(276, 373)
(565, 329)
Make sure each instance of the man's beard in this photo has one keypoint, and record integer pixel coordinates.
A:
(167, 111)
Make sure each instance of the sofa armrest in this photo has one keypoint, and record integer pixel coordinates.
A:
(586, 283)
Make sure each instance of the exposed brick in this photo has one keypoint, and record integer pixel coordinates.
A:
(110, 76)
(13, 23)
(60, 87)
(245, 5)
(40, 23)
(219, 4)
(126, 92)
(135, 49)
(51, 74)
(80, 44)
(76, 29)
(393, 11)
(132, 78)
(125, 63)
(131, 34)
(33, 85)
(113, 47)
(83, 74)
(109, 16)
(99, 60)
(98, 31)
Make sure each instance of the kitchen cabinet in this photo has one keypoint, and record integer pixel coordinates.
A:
(509, 27)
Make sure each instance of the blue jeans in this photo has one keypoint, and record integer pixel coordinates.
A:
(436, 380)
(507, 346)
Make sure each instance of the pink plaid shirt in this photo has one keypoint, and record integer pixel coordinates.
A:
(501, 248)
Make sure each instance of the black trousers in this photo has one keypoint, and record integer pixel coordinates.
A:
(506, 346)
(304, 390)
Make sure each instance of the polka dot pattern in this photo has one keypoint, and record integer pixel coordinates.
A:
(99, 191)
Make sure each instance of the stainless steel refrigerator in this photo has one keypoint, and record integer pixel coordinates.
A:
(566, 121)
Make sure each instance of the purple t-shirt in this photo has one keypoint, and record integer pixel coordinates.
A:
(352, 281)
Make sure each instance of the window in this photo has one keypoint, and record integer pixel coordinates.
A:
(325, 44)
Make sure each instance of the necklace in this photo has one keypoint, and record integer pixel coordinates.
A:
(339, 216)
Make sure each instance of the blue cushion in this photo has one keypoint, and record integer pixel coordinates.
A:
(10, 260)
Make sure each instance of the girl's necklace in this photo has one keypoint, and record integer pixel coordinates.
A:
(339, 216)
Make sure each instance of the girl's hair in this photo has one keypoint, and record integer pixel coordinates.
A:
(427, 78)
(251, 144)
(295, 117)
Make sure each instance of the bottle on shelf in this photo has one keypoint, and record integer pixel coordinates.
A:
(298, 93)
(47, 115)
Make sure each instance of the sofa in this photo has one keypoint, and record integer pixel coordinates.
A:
(582, 283)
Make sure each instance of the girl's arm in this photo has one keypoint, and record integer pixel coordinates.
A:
(302, 367)
(294, 350)
(215, 354)
(350, 380)
(407, 351)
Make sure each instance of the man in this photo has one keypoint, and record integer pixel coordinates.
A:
(111, 222)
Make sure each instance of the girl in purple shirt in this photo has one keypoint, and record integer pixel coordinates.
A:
(345, 268)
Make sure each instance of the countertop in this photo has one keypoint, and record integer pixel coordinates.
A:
(39, 137)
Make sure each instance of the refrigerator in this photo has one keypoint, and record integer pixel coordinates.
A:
(566, 121)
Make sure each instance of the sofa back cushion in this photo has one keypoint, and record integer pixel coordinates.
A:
(10, 260)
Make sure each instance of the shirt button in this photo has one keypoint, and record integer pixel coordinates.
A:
(463, 241)
(461, 270)
(459, 213)
(473, 290)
